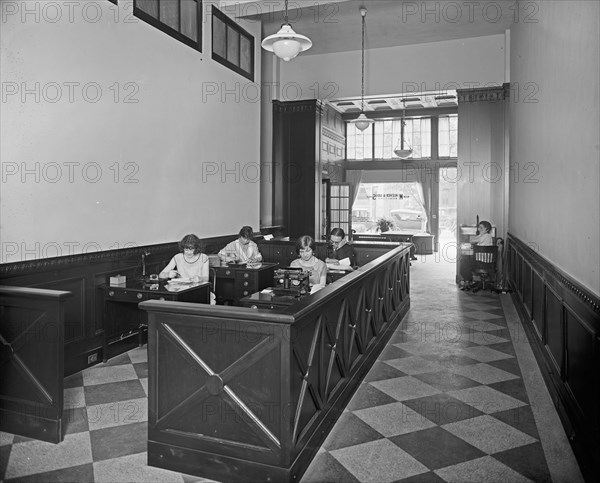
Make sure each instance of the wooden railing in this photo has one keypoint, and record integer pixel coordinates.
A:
(239, 394)
(32, 362)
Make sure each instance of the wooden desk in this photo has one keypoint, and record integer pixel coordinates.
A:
(234, 283)
(465, 233)
(125, 324)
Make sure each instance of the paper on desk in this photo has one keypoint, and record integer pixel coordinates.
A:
(267, 237)
(342, 265)
(175, 288)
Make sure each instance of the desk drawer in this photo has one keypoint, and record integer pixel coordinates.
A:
(124, 295)
(243, 292)
(224, 272)
(246, 274)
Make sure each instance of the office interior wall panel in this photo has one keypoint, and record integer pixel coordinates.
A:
(565, 340)
(554, 329)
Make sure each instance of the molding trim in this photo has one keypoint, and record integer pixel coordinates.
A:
(311, 105)
(59, 263)
(543, 265)
(121, 254)
(484, 94)
(328, 133)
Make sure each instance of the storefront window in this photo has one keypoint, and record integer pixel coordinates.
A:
(396, 207)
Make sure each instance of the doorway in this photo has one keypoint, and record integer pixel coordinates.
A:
(447, 212)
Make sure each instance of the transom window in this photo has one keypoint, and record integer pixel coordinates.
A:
(181, 19)
(232, 46)
(382, 137)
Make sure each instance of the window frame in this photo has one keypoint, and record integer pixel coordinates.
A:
(167, 29)
(450, 157)
(433, 154)
(229, 23)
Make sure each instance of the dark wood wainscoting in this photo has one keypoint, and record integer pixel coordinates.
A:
(563, 319)
(82, 275)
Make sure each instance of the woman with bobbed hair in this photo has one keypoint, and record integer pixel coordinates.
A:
(316, 269)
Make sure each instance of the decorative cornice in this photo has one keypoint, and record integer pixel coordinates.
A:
(482, 94)
(328, 133)
(543, 265)
(311, 105)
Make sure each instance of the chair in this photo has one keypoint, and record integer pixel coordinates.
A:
(484, 264)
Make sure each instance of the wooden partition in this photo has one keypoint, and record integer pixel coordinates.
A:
(32, 362)
(240, 394)
(283, 251)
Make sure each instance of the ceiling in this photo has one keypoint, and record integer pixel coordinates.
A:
(335, 26)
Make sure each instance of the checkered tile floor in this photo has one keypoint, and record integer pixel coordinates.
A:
(446, 401)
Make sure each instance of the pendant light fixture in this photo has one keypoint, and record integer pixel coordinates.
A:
(362, 122)
(401, 151)
(286, 44)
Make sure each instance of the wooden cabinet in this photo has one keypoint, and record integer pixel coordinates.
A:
(236, 283)
(307, 141)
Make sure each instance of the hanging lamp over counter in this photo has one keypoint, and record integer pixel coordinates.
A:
(401, 151)
(362, 122)
(286, 44)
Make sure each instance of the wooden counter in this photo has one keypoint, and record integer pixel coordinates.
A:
(239, 394)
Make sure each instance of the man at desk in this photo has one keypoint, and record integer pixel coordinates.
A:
(341, 255)
(241, 250)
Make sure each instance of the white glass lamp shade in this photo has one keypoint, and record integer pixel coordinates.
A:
(286, 44)
(403, 153)
(362, 122)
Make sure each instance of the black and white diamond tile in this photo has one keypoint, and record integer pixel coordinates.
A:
(444, 402)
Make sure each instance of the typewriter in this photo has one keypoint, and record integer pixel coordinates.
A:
(290, 281)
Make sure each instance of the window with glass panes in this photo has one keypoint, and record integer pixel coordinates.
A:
(181, 19)
(232, 46)
(448, 136)
(380, 139)
(339, 208)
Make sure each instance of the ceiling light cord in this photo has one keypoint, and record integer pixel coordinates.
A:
(285, 15)
(362, 93)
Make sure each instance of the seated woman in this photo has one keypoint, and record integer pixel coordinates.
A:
(483, 238)
(190, 263)
(340, 250)
(241, 250)
(317, 270)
